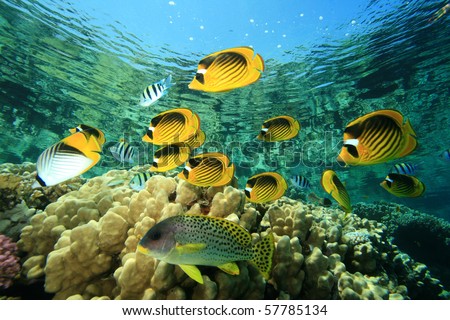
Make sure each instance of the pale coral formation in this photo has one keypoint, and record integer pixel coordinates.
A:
(84, 244)
(288, 274)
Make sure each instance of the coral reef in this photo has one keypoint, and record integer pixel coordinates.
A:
(19, 201)
(414, 233)
(84, 246)
(9, 262)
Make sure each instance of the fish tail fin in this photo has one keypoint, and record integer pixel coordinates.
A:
(168, 82)
(411, 142)
(36, 185)
(259, 63)
(263, 255)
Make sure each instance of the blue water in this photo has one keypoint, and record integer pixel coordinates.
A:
(327, 62)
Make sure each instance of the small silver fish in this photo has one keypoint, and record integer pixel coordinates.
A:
(155, 91)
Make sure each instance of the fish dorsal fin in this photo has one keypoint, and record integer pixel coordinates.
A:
(230, 268)
(189, 248)
(192, 271)
(93, 145)
(394, 114)
(353, 130)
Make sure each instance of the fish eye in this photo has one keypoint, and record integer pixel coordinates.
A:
(155, 236)
(352, 150)
(194, 162)
(200, 77)
(150, 133)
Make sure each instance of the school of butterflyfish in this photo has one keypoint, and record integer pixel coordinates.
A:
(192, 240)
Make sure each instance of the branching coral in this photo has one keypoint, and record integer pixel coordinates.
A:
(9, 262)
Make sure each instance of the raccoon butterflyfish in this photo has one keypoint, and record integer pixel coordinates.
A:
(228, 69)
(402, 185)
(211, 169)
(279, 128)
(265, 187)
(377, 137)
(198, 240)
(137, 183)
(332, 185)
(172, 126)
(169, 157)
(300, 182)
(197, 140)
(155, 91)
(122, 151)
(69, 157)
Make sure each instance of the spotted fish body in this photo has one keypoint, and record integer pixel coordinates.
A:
(190, 240)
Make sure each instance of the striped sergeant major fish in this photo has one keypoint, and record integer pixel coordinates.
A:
(123, 151)
(404, 168)
(138, 181)
(300, 182)
(155, 91)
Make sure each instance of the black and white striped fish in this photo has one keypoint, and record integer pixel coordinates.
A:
(155, 91)
(123, 152)
(138, 181)
(404, 168)
(300, 181)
